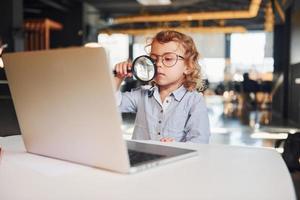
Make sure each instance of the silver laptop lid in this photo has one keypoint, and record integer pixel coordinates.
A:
(65, 104)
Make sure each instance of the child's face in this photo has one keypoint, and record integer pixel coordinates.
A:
(169, 71)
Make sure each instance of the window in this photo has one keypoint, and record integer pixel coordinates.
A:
(213, 69)
(117, 46)
(249, 51)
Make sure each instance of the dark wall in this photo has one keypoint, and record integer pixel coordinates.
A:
(73, 27)
(294, 94)
(11, 23)
(295, 34)
(71, 17)
(294, 69)
(286, 101)
(281, 54)
(11, 32)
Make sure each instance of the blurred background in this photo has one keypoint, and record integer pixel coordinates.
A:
(250, 54)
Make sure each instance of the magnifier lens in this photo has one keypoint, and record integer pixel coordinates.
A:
(144, 68)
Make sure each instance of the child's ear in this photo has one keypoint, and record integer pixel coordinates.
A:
(187, 70)
(188, 67)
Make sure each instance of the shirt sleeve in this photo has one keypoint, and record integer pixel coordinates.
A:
(197, 126)
(128, 101)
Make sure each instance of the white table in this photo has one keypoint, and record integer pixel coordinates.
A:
(219, 172)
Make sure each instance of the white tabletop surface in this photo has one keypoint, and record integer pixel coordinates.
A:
(219, 172)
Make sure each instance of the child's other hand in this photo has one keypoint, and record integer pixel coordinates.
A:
(167, 139)
(123, 69)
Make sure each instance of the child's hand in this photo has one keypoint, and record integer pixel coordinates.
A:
(167, 139)
(123, 69)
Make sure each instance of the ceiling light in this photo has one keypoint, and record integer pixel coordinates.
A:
(154, 2)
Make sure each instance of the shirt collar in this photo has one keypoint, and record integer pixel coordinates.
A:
(178, 93)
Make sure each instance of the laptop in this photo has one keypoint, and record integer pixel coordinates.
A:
(66, 108)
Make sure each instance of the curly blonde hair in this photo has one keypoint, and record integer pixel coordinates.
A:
(193, 79)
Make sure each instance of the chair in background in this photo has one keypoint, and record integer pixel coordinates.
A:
(37, 33)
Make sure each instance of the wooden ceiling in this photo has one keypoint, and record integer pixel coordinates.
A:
(202, 15)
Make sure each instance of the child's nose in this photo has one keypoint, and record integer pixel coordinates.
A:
(159, 62)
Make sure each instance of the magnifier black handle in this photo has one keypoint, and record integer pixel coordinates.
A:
(115, 72)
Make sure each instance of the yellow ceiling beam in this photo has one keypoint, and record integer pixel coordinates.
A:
(228, 29)
(235, 14)
(269, 18)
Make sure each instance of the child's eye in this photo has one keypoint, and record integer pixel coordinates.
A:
(168, 58)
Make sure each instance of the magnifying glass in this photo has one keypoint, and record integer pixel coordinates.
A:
(143, 68)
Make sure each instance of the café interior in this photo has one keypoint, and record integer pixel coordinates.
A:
(250, 56)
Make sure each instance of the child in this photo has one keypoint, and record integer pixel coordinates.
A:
(171, 110)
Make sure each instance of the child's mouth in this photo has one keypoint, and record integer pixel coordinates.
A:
(160, 74)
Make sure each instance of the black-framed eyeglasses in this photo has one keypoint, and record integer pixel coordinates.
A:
(169, 59)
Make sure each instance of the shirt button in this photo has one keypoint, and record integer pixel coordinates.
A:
(158, 133)
(159, 121)
(161, 111)
(167, 101)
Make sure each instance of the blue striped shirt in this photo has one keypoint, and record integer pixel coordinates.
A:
(182, 116)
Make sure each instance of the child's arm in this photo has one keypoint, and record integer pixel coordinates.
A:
(127, 101)
(197, 125)
(122, 69)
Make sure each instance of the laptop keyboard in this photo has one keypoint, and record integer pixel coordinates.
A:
(136, 157)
